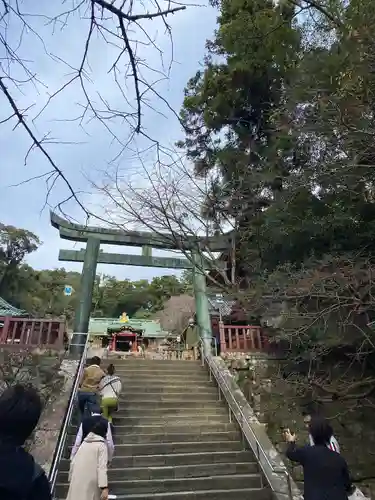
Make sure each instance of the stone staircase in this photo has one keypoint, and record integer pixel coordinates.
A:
(173, 439)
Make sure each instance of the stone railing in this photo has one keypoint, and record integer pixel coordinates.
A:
(230, 365)
(270, 462)
(47, 432)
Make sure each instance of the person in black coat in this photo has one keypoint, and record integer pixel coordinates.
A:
(326, 475)
(20, 477)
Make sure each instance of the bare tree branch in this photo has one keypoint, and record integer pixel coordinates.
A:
(116, 23)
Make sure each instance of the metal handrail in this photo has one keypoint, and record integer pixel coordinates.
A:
(67, 418)
(259, 449)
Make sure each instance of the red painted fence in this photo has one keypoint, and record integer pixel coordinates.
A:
(17, 333)
(244, 338)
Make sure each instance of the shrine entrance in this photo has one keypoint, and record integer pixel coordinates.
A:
(93, 237)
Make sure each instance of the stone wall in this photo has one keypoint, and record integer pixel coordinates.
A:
(46, 435)
(52, 376)
(278, 405)
(271, 461)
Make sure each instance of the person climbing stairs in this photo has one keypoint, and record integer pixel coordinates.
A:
(173, 439)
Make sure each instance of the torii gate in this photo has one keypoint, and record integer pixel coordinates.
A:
(94, 236)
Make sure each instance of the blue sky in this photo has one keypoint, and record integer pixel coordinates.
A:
(51, 50)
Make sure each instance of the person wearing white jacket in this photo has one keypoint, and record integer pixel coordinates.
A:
(88, 475)
(110, 389)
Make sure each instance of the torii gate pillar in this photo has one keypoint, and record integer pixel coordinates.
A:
(201, 302)
(82, 317)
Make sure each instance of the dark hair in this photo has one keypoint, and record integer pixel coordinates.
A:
(111, 369)
(95, 361)
(100, 428)
(20, 410)
(320, 430)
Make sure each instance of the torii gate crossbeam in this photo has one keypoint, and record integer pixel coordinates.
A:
(91, 256)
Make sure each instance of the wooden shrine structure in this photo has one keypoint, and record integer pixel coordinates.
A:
(20, 331)
(30, 333)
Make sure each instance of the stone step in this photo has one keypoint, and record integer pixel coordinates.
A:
(166, 416)
(153, 362)
(241, 494)
(150, 380)
(168, 409)
(174, 459)
(167, 367)
(169, 388)
(157, 404)
(173, 364)
(215, 482)
(168, 419)
(160, 381)
(167, 412)
(175, 472)
(164, 371)
(184, 369)
(208, 397)
(169, 391)
(134, 375)
(185, 437)
(172, 447)
(170, 428)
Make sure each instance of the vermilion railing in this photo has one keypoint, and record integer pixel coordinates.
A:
(245, 338)
(28, 332)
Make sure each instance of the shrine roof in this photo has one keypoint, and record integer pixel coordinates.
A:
(150, 328)
(7, 309)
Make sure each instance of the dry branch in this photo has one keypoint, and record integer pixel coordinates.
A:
(115, 23)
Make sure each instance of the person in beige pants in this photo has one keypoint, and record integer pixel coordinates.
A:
(88, 477)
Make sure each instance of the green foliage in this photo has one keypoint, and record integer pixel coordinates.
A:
(281, 118)
(15, 244)
(140, 298)
(281, 121)
(229, 108)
